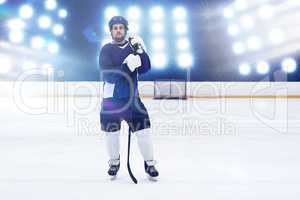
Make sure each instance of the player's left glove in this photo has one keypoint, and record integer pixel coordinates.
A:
(133, 62)
(137, 41)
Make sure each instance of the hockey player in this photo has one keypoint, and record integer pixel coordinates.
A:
(120, 66)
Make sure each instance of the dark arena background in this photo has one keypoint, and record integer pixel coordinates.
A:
(222, 96)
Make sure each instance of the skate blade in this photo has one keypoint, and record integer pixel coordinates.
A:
(153, 179)
(112, 178)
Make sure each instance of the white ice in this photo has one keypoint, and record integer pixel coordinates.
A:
(206, 149)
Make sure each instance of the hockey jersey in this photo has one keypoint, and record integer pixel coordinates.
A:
(118, 80)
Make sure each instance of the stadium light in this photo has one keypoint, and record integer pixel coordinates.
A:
(262, 67)
(181, 28)
(58, 29)
(233, 30)
(183, 44)
(247, 22)
(289, 65)
(37, 42)
(62, 13)
(44, 22)
(53, 48)
(254, 43)
(159, 60)
(158, 44)
(133, 13)
(16, 24)
(228, 13)
(50, 4)
(185, 60)
(111, 12)
(276, 36)
(26, 11)
(157, 13)
(179, 13)
(16, 36)
(134, 28)
(157, 28)
(240, 5)
(238, 48)
(245, 69)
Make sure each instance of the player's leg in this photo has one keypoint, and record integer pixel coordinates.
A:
(146, 148)
(140, 125)
(112, 140)
(110, 125)
(145, 144)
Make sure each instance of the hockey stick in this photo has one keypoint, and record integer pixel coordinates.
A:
(129, 135)
(128, 158)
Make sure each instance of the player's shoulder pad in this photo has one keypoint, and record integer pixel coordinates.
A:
(106, 47)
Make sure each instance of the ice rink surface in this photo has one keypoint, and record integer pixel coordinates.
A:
(206, 149)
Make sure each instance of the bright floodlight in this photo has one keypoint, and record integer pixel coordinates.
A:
(58, 29)
(111, 12)
(2, 1)
(44, 22)
(37, 42)
(262, 67)
(181, 28)
(233, 30)
(133, 13)
(159, 60)
(16, 36)
(254, 43)
(157, 28)
(247, 22)
(276, 36)
(6, 64)
(16, 24)
(158, 44)
(245, 69)
(266, 12)
(289, 65)
(157, 13)
(240, 5)
(185, 60)
(50, 4)
(53, 48)
(179, 13)
(228, 13)
(183, 44)
(26, 11)
(238, 48)
(62, 13)
(134, 28)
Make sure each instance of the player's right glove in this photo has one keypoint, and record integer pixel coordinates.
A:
(137, 43)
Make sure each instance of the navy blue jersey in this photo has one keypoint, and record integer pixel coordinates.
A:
(118, 80)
